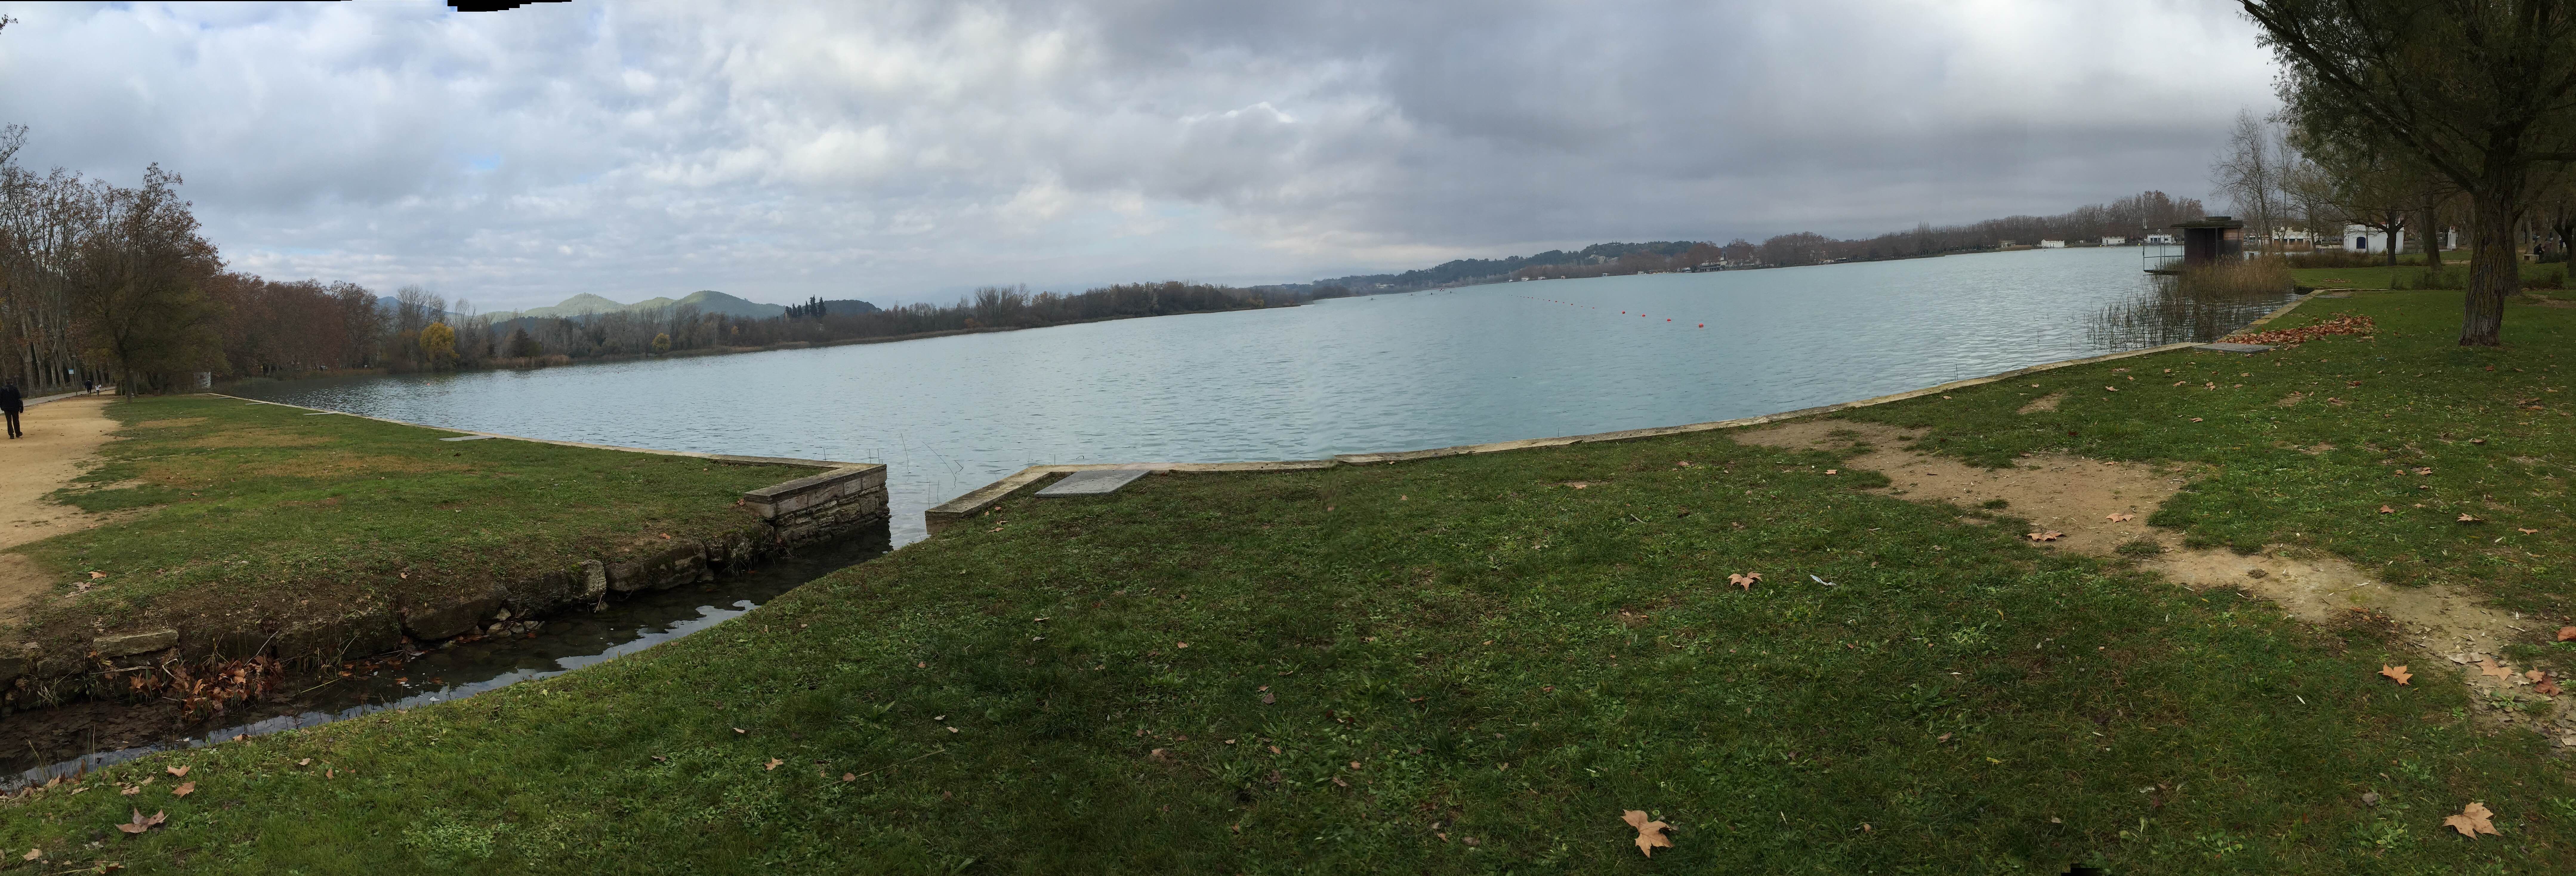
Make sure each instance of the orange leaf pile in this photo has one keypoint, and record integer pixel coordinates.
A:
(1650, 834)
(2342, 324)
(2397, 672)
(2473, 819)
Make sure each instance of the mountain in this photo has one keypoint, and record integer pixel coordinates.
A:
(705, 300)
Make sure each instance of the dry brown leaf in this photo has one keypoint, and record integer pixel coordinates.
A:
(131, 790)
(141, 824)
(1745, 580)
(305, 762)
(2383, 509)
(773, 763)
(184, 790)
(32, 854)
(97, 575)
(2468, 519)
(1833, 471)
(2051, 535)
(1650, 834)
(2546, 687)
(2397, 672)
(2121, 517)
(849, 777)
(2566, 633)
(2526, 531)
(2473, 819)
(179, 771)
(2492, 668)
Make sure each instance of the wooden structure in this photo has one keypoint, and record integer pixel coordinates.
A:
(2210, 239)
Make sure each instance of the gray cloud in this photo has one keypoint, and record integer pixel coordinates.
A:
(903, 150)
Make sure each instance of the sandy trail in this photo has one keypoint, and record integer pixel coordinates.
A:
(2078, 498)
(62, 442)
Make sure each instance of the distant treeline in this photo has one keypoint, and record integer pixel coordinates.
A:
(2129, 217)
(683, 328)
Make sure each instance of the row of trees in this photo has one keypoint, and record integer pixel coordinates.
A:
(99, 281)
(2403, 107)
(2129, 217)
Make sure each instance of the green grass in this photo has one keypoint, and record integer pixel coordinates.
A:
(1467, 648)
(2416, 276)
(219, 506)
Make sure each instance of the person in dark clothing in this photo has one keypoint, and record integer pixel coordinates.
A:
(12, 404)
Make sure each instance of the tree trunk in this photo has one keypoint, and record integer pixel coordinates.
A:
(2495, 269)
(2432, 239)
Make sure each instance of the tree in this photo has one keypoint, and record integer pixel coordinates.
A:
(135, 277)
(2250, 172)
(662, 343)
(2479, 92)
(523, 346)
(438, 344)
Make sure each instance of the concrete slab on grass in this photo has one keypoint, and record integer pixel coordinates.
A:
(1093, 483)
(2236, 348)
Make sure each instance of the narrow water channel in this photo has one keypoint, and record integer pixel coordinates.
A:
(79, 737)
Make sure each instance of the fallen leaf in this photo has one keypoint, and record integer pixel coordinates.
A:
(2396, 672)
(141, 824)
(1184, 644)
(2195, 419)
(1267, 698)
(2566, 633)
(2120, 518)
(2526, 531)
(2472, 820)
(1745, 580)
(131, 790)
(179, 771)
(849, 777)
(2547, 687)
(739, 730)
(2468, 519)
(1650, 834)
(773, 763)
(184, 790)
(305, 762)
(32, 854)
(2491, 668)
(97, 575)
(2383, 509)
(2051, 535)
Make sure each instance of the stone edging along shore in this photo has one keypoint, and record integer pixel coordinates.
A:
(984, 498)
(841, 498)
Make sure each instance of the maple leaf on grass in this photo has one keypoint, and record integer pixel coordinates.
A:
(2396, 672)
(179, 771)
(2468, 519)
(141, 824)
(2383, 509)
(1745, 580)
(2051, 535)
(773, 763)
(2566, 633)
(2473, 819)
(1649, 833)
(184, 790)
(32, 854)
(2492, 668)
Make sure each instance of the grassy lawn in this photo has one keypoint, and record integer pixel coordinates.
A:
(218, 507)
(2413, 276)
(1468, 665)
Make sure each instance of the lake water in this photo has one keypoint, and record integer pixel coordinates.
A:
(1379, 373)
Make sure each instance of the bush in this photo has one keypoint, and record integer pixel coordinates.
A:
(2336, 258)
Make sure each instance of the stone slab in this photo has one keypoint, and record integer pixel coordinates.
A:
(468, 438)
(1093, 483)
(2224, 347)
(816, 490)
(134, 643)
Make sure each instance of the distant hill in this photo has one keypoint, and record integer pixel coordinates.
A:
(706, 301)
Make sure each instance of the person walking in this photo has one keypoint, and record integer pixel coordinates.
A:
(12, 404)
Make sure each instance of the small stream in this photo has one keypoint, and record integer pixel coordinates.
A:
(568, 641)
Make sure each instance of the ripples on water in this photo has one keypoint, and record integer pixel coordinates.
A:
(1390, 372)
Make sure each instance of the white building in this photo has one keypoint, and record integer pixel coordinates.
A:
(2160, 240)
(2108, 240)
(2363, 238)
(2052, 244)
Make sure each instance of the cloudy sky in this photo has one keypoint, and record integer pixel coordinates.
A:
(903, 151)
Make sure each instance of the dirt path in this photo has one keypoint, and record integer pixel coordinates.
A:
(62, 442)
(2080, 501)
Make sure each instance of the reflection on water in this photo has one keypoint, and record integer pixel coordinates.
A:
(2170, 313)
(569, 641)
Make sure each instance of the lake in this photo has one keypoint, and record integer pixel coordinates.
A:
(1378, 373)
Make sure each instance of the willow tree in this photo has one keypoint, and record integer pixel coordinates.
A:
(2479, 92)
